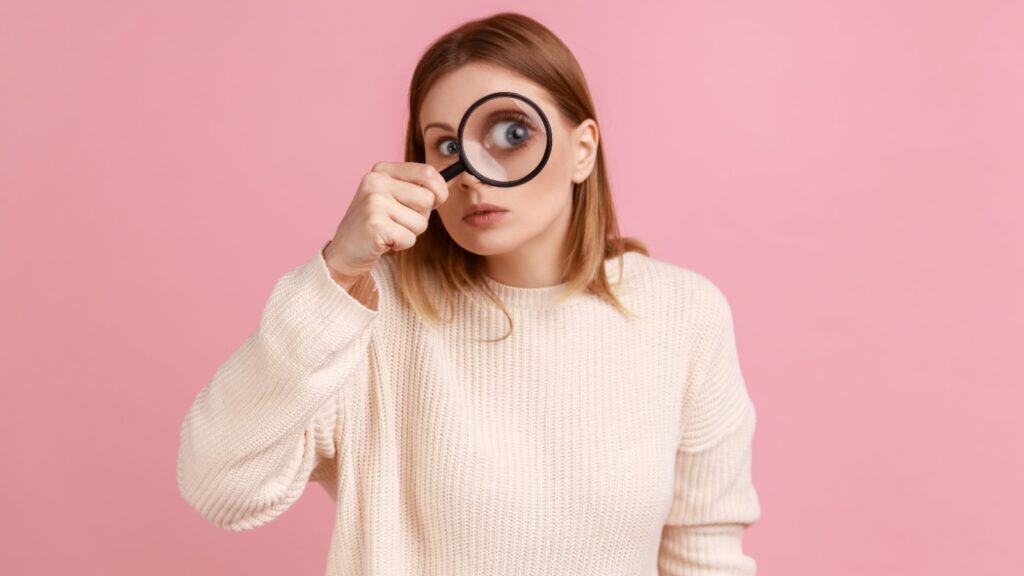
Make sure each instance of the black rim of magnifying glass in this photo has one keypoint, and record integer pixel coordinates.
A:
(457, 168)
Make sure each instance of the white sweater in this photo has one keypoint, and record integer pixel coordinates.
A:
(586, 443)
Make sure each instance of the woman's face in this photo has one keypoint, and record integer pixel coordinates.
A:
(538, 211)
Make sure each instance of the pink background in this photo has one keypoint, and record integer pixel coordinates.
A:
(850, 173)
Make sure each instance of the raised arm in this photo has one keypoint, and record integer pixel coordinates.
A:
(715, 499)
(254, 435)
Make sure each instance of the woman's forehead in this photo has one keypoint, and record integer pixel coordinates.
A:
(452, 94)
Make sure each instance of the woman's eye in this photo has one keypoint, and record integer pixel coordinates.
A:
(447, 147)
(509, 134)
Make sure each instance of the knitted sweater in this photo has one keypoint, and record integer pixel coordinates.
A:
(586, 443)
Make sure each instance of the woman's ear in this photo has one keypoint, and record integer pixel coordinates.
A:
(585, 140)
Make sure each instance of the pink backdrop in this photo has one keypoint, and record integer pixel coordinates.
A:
(850, 173)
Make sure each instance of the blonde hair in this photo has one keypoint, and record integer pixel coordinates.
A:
(521, 44)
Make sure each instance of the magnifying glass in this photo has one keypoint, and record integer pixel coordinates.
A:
(504, 139)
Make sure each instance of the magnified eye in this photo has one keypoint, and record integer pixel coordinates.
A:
(509, 134)
(447, 147)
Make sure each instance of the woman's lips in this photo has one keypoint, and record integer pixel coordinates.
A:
(481, 207)
(485, 218)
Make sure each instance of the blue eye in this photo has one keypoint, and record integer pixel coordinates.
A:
(447, 147)
(509, 134)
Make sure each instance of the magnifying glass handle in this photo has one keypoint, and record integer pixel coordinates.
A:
(453, 171)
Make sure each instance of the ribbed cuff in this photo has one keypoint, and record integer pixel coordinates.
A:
(715, 550)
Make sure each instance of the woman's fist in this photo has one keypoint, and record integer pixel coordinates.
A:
(390, 209)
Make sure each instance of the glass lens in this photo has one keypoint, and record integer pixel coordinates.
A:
(504, 139)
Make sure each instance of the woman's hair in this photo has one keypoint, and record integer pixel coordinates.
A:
(522, 45)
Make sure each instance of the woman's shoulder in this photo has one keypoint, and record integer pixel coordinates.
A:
(668, 284)
(662, 273)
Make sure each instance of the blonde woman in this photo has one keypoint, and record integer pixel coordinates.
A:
(522, 391)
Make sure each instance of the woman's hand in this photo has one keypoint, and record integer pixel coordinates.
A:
(389, 210)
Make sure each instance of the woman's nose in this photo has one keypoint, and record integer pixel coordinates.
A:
(467, 180)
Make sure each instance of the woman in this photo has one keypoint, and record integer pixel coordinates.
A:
(523, 392)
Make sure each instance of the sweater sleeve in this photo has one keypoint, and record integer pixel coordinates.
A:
(254, 435)
(714, 498)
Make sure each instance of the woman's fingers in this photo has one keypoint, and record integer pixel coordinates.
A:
(418, 173)
(413, 196)
(414, 220)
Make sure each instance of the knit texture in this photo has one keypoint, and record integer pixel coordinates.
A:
(586, 443)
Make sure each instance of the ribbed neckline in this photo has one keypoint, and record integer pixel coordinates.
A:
(542, 296)
(523, 297)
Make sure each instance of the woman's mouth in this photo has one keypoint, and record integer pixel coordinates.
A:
(485, 216)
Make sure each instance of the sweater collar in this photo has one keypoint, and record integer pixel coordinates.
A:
(544, 296)
(523, 297)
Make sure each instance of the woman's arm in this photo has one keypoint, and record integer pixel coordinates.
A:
(255, 434)
(715, 499)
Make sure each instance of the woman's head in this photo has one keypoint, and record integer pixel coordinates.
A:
(566, 207)
(539, 209)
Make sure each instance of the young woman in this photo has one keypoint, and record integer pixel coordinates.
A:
(523, 392)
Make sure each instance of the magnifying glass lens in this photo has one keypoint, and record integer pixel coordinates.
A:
(504, 139)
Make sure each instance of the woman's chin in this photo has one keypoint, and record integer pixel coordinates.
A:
(484, 242)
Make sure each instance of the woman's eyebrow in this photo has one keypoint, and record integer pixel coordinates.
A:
(437, 125)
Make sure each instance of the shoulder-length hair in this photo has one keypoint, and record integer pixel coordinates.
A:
(523, 45)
